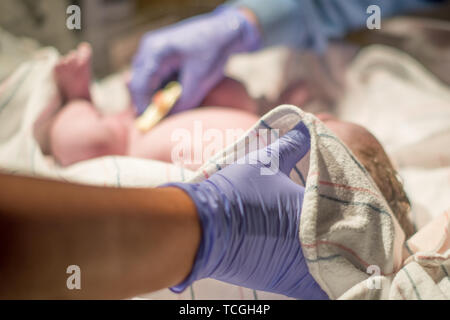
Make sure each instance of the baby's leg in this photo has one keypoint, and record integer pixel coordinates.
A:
(72, 75)
(80, 133)
(190, 138)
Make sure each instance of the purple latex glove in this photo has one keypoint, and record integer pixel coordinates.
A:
(250, 223)
(195, 50)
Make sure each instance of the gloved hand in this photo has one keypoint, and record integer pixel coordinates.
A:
(250, 222)
(195, 50)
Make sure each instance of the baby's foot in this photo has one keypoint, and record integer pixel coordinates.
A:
(73, 73)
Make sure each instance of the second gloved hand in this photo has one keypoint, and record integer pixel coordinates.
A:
(196, 50)
(250, 222)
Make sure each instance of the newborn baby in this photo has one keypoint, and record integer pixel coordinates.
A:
(79, 132)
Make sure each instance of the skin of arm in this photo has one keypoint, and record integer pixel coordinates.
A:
(125, 241)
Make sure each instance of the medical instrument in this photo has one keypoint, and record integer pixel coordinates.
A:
(162, 102)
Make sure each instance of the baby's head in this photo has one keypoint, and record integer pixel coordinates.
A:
(373, 157)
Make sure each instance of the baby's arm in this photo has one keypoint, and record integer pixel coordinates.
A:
(434, 237)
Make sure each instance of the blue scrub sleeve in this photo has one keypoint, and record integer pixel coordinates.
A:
(310, 23)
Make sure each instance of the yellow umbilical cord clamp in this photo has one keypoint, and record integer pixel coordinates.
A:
(162, 102)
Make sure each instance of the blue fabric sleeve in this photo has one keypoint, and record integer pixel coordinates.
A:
(310, 23)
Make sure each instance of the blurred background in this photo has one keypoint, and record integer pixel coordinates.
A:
(113, 27)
